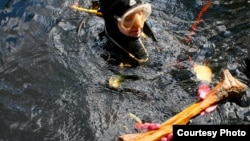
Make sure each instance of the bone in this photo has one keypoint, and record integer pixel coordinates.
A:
(229, 87)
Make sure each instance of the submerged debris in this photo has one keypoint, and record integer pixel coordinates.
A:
(115, 81)
(203, 73)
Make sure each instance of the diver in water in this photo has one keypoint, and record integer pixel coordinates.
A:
(125, 20)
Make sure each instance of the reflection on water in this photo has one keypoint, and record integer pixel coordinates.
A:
(53, 82)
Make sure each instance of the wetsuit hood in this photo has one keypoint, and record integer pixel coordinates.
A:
(117, 7)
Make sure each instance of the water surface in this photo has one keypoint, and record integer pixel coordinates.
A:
(53, 80)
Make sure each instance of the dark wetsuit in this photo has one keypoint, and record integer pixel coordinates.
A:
(123, 49)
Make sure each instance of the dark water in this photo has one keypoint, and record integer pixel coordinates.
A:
(53, 82)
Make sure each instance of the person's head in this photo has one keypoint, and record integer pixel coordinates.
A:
(131, 23)
(128, 15)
